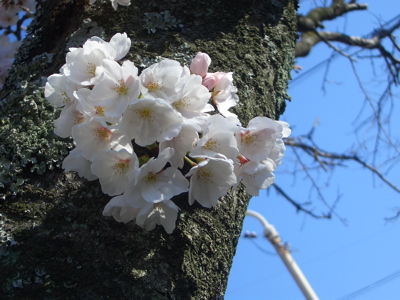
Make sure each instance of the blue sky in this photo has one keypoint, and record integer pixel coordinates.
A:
(336, 259)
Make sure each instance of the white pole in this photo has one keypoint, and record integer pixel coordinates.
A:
(272, 235)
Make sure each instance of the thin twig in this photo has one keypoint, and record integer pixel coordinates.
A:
(318, 152)
(298, 206)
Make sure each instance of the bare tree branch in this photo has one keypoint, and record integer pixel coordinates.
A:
(298, 206)
(383, 46)
(335, 159)
(376, 112)
(309, 24)
(315, 17)
(327, 41)
(396, 216)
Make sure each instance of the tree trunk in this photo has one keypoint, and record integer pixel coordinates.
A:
(55, 242)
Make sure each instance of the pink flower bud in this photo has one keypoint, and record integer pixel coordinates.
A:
(213, 79)
(200, 63)
(209, 81)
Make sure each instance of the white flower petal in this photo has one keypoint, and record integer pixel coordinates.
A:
(149, 120)
(120, 210)
(77, 163)
(112, 168)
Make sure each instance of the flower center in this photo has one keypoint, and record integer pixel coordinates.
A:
(64, 98)
(181, 103)
(121, 88)
(78, 118)
(99, 110)
(210, 144)
(145, 113)
(121, 166)
(151, 178)
(206, 176)
(103, 133)
(248, 138)
(91, 69)
(153, 86)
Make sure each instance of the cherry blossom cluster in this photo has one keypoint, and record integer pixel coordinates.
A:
(151, 136)
(10, 11)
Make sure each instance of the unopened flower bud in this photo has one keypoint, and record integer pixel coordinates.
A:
(200, 63)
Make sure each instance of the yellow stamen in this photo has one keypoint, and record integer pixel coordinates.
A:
(78, 118)
(64, 98)
(121, 88)
(121, 167)
(153, 86)
(91, 69)
(206, 176)
(248, 138)
(210, 144)
(151, 178)
(145, 113)
(99, 110)
(103, 133)
(181, 103)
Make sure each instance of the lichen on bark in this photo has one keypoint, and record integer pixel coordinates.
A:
(64, 245)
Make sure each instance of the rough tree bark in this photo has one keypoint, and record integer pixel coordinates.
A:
(64, 247)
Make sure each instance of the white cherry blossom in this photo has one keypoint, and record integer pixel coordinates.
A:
(59, 90)
(75, 161)
(191, 100)
(120, 42)
(81, 63)
(257, 141)
(69, 117)
(277, 152)
(87, 105)
(163, 213)
(218, 138)
(224, 92)
(182, 144)
(210, 179)
(118, 208)
(257, 176)
(149, 120)
(118, 46)
(162, 80)
(117, 86)
(153, 184)
(95, 136)
(112, 168)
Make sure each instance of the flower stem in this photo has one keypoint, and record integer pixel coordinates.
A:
(189, 161)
